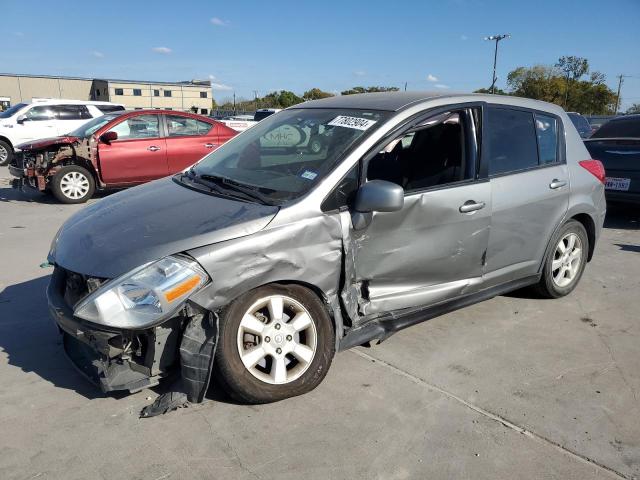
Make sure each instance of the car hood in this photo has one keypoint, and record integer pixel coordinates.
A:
(145, 223)
(47, 142)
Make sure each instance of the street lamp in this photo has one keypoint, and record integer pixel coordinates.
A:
(496, 38)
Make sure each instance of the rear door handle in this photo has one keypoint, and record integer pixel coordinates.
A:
(209, 145)
(471, 206)
(555, 183)
(153, 148)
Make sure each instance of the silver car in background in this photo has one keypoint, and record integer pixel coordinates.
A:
(263, 259)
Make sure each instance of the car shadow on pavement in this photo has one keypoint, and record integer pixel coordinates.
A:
(30, 340)
(30, 195)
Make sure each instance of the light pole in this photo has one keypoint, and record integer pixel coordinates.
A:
(497, 39)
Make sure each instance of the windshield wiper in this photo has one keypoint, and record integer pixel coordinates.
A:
(247, 190)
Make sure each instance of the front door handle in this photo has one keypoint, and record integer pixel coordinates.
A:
(209, 145)
(153, 148)
(471, 206)
(555, 183)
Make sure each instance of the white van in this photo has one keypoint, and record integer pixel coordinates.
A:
(43, 118)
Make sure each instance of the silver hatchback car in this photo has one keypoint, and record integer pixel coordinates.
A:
(328, 225)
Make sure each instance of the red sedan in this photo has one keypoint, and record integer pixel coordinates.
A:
(117, 150)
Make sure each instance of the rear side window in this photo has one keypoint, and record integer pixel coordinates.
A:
(179, 126)
(110, 108)
(512, 142)
(623, 128)
(72, 112)
(547, 132)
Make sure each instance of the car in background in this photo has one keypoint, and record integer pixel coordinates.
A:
(582, 125)
(617, 145)
(44, 118)
(244, 122)
(596, 121)
(117, 150)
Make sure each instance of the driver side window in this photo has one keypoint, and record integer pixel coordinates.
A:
(431, 155)
(141, 126)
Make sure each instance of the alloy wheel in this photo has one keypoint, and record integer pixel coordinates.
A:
(74, 185)
(277, 339)
(4, 154)
(566, 260)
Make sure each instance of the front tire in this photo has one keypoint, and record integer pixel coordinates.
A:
(275, 342)
(565, 263)
(73, 184)
(6, 153)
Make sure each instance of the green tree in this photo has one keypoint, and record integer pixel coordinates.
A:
(635, 108)
(573, 68)
(356, 90)
(281, 99)
(551, 84)
(316, 94)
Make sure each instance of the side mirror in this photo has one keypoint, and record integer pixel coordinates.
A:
(379, 196)
(109, 137)
(21, 119)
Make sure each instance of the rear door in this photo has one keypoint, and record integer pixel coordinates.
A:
(188, 140)
(138, 155)
(524, 153)
(70, 117)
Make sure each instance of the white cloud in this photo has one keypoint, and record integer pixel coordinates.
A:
(359, 73)
(163, 50)
(97, 54)
(432, 78)
(212, 77)
(19, 34)
(221, 86)
(441, 85)
(464, 37)
(218, 22)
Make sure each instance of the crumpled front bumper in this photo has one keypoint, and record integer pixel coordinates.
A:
(105, 357)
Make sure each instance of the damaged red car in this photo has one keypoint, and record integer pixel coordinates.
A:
(117, 150)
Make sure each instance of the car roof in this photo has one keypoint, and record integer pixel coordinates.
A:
(396, 101)
(633, 116)
(63, 101)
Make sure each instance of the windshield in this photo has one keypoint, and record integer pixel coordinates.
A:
(92, 126)
(286, 154)
(620, 128)
(12, 110)
(581, 123)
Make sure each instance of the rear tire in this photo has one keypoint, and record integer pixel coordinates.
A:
(565, 262)
(263, 356)
(6, 153)
(73, 184)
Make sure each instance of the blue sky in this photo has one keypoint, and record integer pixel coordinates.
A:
(295, 45)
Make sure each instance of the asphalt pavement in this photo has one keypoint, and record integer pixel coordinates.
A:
(515, 387)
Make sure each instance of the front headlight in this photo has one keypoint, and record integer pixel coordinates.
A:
(145, 295)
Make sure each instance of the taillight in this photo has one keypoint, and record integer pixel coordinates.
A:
(595, 168)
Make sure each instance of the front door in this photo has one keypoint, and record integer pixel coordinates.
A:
(433, 249)
(36, 123)
(530, 189)
(138, 155)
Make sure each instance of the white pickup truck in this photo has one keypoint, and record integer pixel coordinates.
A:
(241, 123)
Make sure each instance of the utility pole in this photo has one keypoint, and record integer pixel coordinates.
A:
(405, 86)
(497, 39)
(255, 96)
(620, 80)
(234, 103)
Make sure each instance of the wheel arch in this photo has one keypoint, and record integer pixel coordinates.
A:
(79, 162)
(7, 141)
(586, 220)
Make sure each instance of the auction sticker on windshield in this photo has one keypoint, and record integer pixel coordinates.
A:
(351, 122)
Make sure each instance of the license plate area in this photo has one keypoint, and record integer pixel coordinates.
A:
(617, 183)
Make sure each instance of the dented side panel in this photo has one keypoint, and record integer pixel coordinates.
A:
(427, 252)
(307, 251)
